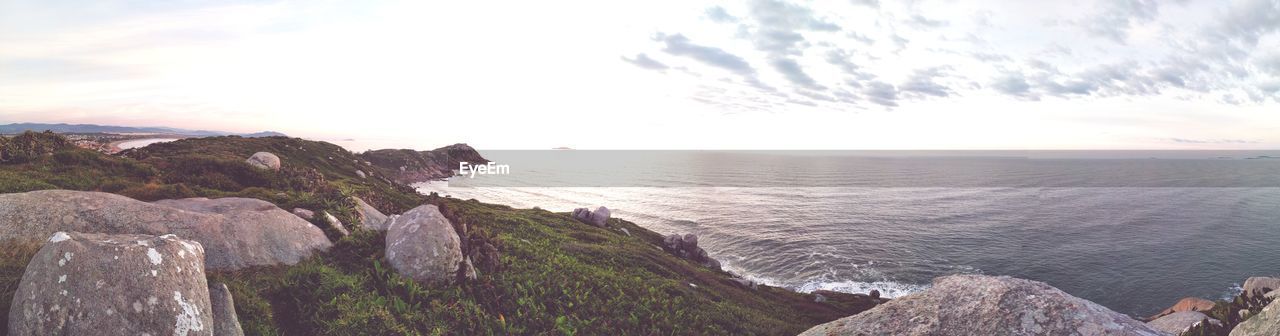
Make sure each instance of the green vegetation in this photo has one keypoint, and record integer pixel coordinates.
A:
(554, 275)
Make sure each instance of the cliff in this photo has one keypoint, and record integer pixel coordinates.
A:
(408, 166)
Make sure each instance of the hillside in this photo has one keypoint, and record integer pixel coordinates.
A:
(552, 274)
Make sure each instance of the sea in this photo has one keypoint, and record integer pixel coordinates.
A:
(1134, 231)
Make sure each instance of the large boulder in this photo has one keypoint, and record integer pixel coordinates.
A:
(1179, 322)
(235, 232)
(1186, 304)
(422, 245)
(223, 308)
(370, 217)
(1265, 323)
(124, 284)
(264, 160)
(986, 305)
(598, 218)
(687, 247)
(1260, 285)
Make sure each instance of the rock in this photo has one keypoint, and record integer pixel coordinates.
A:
(422, 245)
(335, 224)
(370, 217)
(1186, 304)
(361, 174)
(119, 284)
(1178, 322)
(600, 217)
(687, 247)
(1272, 294)
(235, 232)
(689, 241)
(264, 160)
(874, 294)
(225, 321)
(1260, 285)
(468, 270)
(986, 305)
(1266, 322)
(582, 215)
(304, 213)
(819, 298)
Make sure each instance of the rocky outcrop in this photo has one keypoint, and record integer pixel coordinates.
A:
(1185, 305)
(408, 166)
(1260, 285)
(335, 224)
(370, 217)
(223, 308)
(1179, 322)
(1266, 322)
(304, 213)
(986, 305)
(91, 284)
(422, 245)
(264, 160)
(687, 247)
(598, 218)
(235, 232)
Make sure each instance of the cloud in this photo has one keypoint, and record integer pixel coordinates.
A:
(643, 61)
(793, 73)
(678, 45)
(773, 14)
(924, 82)
(923, 22)
(1115, 17)
(868, 3)
(719, 14)
(841, 58)
(1013, 84)
(881, 93)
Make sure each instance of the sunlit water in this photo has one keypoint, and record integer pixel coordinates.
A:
(1135, 250)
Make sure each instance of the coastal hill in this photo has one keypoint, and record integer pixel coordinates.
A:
(530, 271)
(285, 236)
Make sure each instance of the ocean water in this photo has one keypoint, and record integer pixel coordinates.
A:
(1124, 230)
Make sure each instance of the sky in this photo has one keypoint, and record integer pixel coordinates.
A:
(757, 74)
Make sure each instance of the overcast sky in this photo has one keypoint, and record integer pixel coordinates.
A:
(849, 74)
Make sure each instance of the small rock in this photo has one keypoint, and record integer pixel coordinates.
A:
(264, 160)
(335, 224)
(422, 245)
(304, 213)
(361, 174)
(370, 217)
(1260, 285)
(225, 321)
(874, 294)
(819, 298)
(1186, 304)
(600, 217)
(1179, 322)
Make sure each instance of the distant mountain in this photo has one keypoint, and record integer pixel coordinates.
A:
(90, 128)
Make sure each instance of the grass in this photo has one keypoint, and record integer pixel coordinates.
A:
(554, 275)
